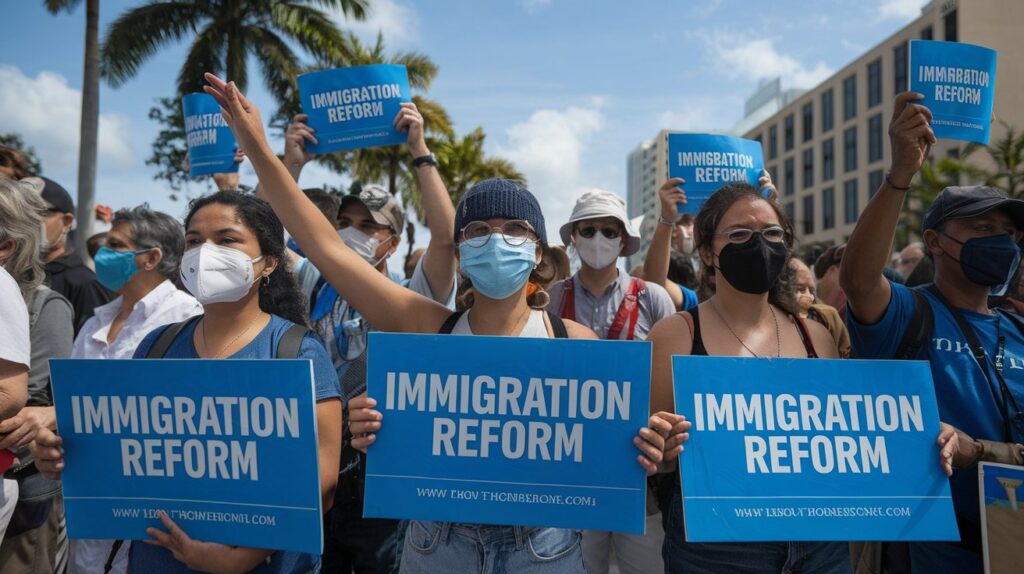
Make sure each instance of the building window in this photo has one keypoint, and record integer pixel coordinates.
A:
(875, 139)
(789, 132)
(828, 208)
(949, 22)
(773, 172)
(926, 33)
(791, 211)
(789, 181)
(850, 97)
(875, 180)
(899, 70)
(808, 167)
(759, 139)
(828, 160)
(850, 149)
(808, 125)
(827, 110)
(875, 83)
(850, 212)
(773, 142)
(808, 215)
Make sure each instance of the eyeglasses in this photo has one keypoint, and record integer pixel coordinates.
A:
(515, 232)
(588, 231)
(774, 234)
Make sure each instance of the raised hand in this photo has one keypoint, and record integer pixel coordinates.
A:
(671, 195)
(410, 120)
(911, 138)
(295, 138)
(765, 181)
(241, 115)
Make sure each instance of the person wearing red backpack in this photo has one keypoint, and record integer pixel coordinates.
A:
(618, 307)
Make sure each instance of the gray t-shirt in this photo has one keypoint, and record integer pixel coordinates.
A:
(598, 311)
(51, 332)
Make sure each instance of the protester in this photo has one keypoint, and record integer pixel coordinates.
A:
(34, 541)
(618, 307)
(94, 243)
(500, 231)
(972, 234)
(66, 273)
(15, 360)
(826, 272)
(909, 257)
(682, 239)
(808, 306)
(558, 258)
(13, 163)
(744, 241)
(236, 266)
(371, 223)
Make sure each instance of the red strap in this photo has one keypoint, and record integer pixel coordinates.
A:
(568, 308)
(629, 310)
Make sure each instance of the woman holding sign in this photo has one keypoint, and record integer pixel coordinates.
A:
(744, 242)
(234, 264)
(500, 234)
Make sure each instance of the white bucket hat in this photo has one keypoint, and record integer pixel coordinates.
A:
(596, 204)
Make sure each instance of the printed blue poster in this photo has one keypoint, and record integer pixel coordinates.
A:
(351, 108)
(228, 449)
(503, 430)
(1002, 517)
(958, 82)
(819, 450)
(211, 145)
(707, 162)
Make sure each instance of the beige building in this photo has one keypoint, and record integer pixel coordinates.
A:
(646, 170)
(828, 149)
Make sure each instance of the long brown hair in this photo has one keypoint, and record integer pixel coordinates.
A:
(706, 225)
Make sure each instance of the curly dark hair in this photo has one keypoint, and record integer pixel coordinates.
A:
(706, 224)
(280, 294)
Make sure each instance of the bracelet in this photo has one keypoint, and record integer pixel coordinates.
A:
(668, 222)
(894, 186)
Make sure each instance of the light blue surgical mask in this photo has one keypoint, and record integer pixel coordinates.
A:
(115, 268)
(496, 268)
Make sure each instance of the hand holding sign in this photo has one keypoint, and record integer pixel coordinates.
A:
(910, 138)
(672, 196)
(295, 138)
(765, 181)
(47, 453)
(203, 556)
(410, 120)
(363, 421)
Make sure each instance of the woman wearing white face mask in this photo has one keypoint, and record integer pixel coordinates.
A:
(500, 232)
(234, 265)
(615, 306)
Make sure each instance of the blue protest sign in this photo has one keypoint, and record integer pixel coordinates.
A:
(228, 449)
(498, 430)
(811, 450)
(352, 108)
(958, 82)
(1002, 516)
(708, 162)
(211, 145)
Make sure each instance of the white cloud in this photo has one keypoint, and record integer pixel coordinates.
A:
(550, 148)
(397, 21)
(47, 114)
(758, 59)
(900, 9)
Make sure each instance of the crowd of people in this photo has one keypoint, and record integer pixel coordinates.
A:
(284, 272)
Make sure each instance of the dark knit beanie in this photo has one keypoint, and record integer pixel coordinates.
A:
(499, 198)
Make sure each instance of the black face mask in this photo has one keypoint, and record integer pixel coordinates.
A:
(754, 266)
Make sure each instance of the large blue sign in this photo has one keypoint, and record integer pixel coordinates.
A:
(958, 82)
(352, 108)
(811, 450)
(211, 145)
(513, 431)
(228, 449)
(708, 162)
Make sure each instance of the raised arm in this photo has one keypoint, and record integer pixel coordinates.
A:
(867, 252)
(384, 303)
(660, 250)
(439, 262)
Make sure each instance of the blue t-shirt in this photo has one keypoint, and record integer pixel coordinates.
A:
(689, 297)
(147, 558)
(966, 398)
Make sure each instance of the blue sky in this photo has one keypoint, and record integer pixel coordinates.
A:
(564, 88)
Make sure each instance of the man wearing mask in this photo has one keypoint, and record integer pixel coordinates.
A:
(972, 234)
(617, 307)
(371, 224)
(65, 271)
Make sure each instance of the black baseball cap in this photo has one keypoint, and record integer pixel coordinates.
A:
(55, 194)
(958, 202)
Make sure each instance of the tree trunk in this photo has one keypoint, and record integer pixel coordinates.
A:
(89, 135)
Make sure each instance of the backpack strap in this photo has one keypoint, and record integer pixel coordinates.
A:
(558, 326)
(919, 330)
(449, 323)
(289, 345)
(167, 337)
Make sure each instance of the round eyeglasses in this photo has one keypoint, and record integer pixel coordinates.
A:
(515, 232)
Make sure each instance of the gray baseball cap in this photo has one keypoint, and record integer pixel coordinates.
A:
(958, 202)
(384, 207)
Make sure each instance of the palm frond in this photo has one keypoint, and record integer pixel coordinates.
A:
(136, 35)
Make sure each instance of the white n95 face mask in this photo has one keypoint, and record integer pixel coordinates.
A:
(216, 274)
(364, 245)
(598, 251)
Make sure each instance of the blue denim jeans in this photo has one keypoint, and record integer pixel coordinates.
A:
(944, 558)
(746, 558)
(432, 547)
(360, 545)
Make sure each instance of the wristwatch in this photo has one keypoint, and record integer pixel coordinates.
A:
(429, 159)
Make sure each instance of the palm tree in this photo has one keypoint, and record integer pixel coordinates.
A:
(930, 180)
(1007, 155)
(224, 34)
(89, 127)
